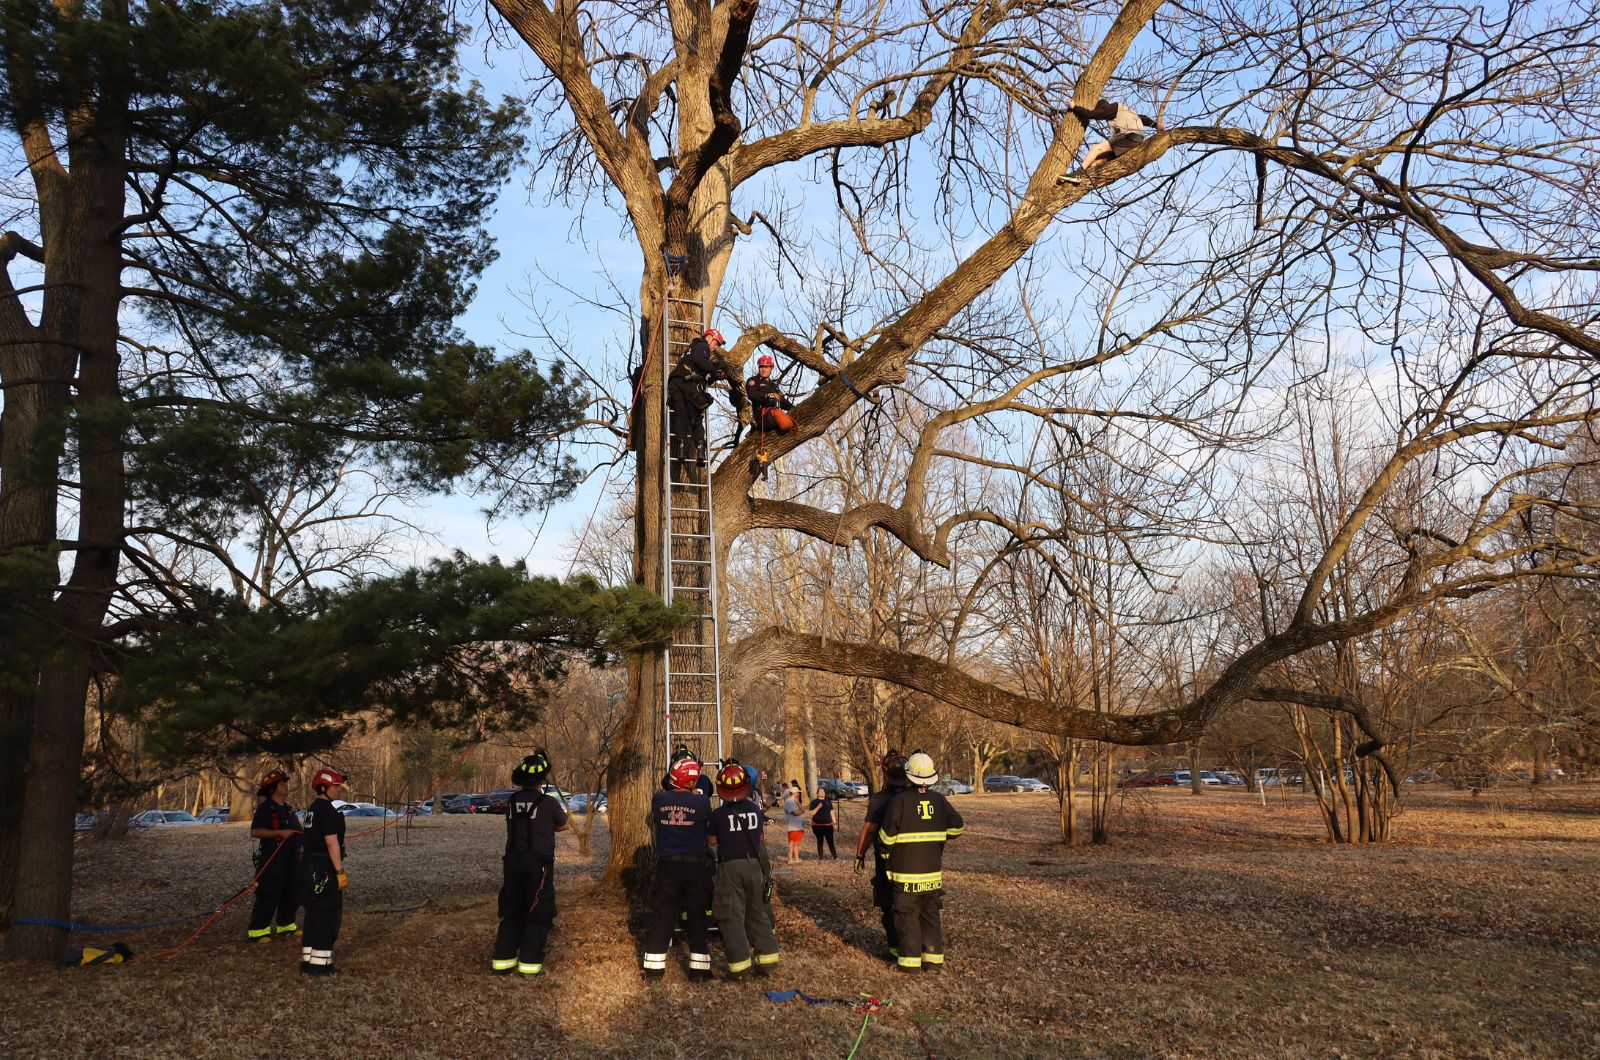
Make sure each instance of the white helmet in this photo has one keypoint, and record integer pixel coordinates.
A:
(919, 769)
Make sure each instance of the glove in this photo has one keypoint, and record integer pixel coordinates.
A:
(745, 416)
(344, 881)
(861, 863)
(766, 889)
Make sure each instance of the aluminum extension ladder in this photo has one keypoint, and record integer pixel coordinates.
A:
(693, 708)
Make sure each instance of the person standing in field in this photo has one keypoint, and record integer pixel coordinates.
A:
(681, 818)
(528, 868)
(322, 874)
(794, 820)
(915, 829)
(744, 877)
(894, 782)
(277, 861)
(820, 811)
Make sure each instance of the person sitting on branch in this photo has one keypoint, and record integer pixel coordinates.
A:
(1127, 132)
(771, 407)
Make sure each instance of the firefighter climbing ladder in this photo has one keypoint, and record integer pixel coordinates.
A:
(692, 711)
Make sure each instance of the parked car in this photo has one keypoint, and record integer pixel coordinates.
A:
(579, 803)
(420, 808)
(1002, 782)
(214, 816)
(558, 792)
(1229, 778)
(161, 818)
(950, 786)
(209, 810)
(366, 809)
(85, 822)
(458, 803)
(839, 789)
(500, 800)
(1034, 784)
(859, 787)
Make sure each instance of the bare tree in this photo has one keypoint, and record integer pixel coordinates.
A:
(1404, 182)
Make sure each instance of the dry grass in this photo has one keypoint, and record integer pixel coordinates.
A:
(1211, 926)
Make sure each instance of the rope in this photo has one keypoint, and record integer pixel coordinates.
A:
(240, 893)
(67, 926)
(860, 1035)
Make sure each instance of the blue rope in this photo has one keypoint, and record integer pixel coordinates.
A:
(47, 922)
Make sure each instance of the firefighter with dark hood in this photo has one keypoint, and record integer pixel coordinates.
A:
(528, 888)
(744, 877)
(680, 817)
(689, 394)
(894, 782)
(277, 860)
(915, 829)
(322, 874)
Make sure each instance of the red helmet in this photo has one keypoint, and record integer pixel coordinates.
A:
(733, 782)
(325, 777)
(270, 781)
(684, 774)
(766, 361)
(713, 333)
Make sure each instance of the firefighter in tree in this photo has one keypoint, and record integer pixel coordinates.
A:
(689, 395)
(683, 879)
(277, 861)
(322, 874)
(915, 829)
(744, 876)
(528, 889)
(771, 408)
(894, 782)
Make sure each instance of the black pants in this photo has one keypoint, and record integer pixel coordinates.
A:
(527, 909)
(277, 892)
(916, 918)
(824, 834)
(324, 910)
(687, 400)
(682, 886)
(883, 898)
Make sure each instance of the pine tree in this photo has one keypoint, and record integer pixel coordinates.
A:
(246, 231)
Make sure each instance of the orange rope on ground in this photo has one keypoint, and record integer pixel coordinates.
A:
(246, 889)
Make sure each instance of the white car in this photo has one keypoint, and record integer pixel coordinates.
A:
(161, 819)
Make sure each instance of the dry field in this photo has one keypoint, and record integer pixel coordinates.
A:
(1212, 926)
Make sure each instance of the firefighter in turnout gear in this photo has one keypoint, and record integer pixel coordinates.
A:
(689, 395)
(683, 879)
(528, 890)
(894, 782)
(915, 829)
(277, 861)
(322, 874)
(744, 877)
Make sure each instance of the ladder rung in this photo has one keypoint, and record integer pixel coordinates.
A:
(692, 589)
(691, 703)
(679, 732)
(696, 562)
(685, 673)
(694, 537)
(701, 646)
(695, 485)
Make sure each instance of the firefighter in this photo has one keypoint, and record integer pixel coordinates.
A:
(683, 880)
(894, 782)
(528, 892)
(915, 829)
(276, 861)
(771, 408)
(688, 395)
(322, 874)
(744, 876)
